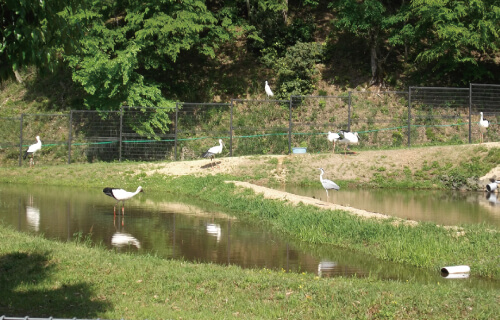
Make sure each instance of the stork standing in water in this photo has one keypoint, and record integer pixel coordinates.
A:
(347, 137)
(483, 126)
(333, 137)
(120, 195)
(327, 184)
(32, 149)
(210, 153)
(268, 90)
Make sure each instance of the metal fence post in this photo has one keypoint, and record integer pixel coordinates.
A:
(69, 135)
(290, 126)
(231, 129)
(21, 140)
(470, 112)
(349, 113)
(175, 129)
(121, 134)
(409, 117)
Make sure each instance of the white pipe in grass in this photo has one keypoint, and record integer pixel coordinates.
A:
(455, 270)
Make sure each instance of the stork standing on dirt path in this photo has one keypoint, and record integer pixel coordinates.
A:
(327, 184)
(210, 153)
(32, 149)
(120, 195)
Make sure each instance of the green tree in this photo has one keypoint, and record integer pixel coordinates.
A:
(372, 21)
(130, 45)
(457, 38)
(32, 33)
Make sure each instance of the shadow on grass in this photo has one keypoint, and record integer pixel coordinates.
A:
(24, 292)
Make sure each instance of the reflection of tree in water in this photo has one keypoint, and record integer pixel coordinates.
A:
(20, 292)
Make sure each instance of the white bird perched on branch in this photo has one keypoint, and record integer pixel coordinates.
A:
(483, 124)
(327, 184)
(32, 149)
(210, 153)
(120, 195)
(347, 137)
(268, 90)
(333, 137)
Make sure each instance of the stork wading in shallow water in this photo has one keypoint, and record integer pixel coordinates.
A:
(333, 137)
(483, 126)
(346, 138)
(269, 92)
(327, 184)
(120, 195)
(32, 149)
(210, 153)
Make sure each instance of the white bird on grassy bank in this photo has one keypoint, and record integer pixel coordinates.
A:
(32, 149)
(483, 126)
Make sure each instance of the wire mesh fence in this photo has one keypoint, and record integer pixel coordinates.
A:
(419, 116)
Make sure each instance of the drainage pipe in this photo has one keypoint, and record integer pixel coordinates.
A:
(491, 186)
(454, 270)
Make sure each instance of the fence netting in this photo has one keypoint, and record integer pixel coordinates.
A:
(419, 116)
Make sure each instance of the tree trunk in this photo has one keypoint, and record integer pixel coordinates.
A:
(248, 9)
(18, 76)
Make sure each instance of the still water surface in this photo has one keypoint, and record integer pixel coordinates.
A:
(441, 207)
(176, 227)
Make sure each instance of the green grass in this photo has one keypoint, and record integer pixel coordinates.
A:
(43, 278)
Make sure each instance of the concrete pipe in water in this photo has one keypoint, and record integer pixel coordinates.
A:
(454, 272)
(491, 186)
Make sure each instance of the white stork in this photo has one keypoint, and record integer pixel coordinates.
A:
(327, 184)
(32, 149)
(210, 153)
(333, 137)
(268, 90)
(120, 195)
(483, 126)
(347, 137)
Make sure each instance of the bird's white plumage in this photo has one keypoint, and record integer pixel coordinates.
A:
(120, 239)
(120, 195)
(269, 92)
(327, 184)
(32, 149)
(333, 137)
(210, 153)
(483, 122)
(483, 125)
(216, 149)
(36, 146)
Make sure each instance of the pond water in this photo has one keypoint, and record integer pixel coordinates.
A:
(441, 207)
(176, 227)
